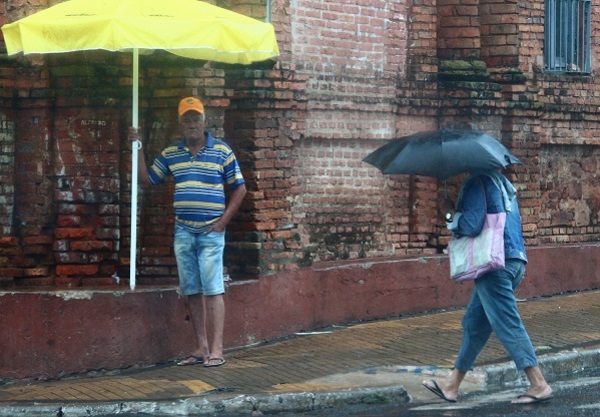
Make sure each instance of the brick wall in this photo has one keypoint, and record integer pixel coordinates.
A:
(264, 120)
(7, 179)
(570, 202)
(166, 80)
(351, 76)
(8, 244)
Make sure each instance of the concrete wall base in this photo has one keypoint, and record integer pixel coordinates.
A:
(49, 334)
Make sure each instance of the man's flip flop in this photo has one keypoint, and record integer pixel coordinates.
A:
(211, 362)
(191, 360)
(438, 391)
(533, 398)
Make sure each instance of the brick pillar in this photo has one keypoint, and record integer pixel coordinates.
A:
(34, 188)
(7, 169)
(9, 247)
(253, 8)
(86, 164)
(85, 145)
(500, 33)
(263, 120)
(521, 134)
(459, 34)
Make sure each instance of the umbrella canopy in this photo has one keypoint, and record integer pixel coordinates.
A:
(188, 28)
(441, 154)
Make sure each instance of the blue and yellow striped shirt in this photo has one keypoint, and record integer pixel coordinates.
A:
(199, 198)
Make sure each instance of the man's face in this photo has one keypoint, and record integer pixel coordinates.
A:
(192, 125)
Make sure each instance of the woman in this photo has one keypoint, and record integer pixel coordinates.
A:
(493, 305)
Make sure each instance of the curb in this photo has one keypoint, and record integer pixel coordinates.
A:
(555, 366)
(242, 404)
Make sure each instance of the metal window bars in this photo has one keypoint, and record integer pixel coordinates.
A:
(567, 46)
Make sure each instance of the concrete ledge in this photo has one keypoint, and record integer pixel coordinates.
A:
(555, 367)
(50, 334)
(240, 404)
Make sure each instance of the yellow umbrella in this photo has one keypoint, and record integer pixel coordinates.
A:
(188, 28)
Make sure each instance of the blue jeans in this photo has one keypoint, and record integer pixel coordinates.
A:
(199, 262)
(493, 307)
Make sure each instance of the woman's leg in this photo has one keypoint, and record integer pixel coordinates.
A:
(496, 291)
(476, 333)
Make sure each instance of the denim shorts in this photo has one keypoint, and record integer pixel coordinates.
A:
(199, 262)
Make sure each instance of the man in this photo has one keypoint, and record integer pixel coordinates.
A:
(201, 166)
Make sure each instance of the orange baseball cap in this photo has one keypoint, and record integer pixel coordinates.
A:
(190, 103)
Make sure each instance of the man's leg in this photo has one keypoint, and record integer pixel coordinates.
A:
(191, 288)
(211, 272)
(215, 313)
(197, 310)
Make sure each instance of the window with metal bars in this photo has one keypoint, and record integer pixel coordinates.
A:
(567, 36)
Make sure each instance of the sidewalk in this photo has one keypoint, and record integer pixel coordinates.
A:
(382, 361)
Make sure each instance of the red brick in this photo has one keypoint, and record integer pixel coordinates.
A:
(38, 240)
(11, 272)
(8, 241)
(74, 270)
(91, 245)
(74, 233)
(67, 282)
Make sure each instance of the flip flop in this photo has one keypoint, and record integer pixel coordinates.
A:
(438, 391)
(533, 398)
(217, 362)
(191, 360)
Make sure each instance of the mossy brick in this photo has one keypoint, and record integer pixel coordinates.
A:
(461, 65)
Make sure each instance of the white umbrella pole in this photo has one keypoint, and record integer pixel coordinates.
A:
(134, 171)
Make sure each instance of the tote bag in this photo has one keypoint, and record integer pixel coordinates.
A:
(472, 257)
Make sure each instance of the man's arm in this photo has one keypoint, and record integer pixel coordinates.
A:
(235, 200)
(143, 175)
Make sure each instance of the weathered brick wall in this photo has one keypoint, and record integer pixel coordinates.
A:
(264, 119)
(9, 248)
(253, 8)
(570, 200)
(7, 179)
(459, 29)
(351, 75)
(8, 243)
(564, 140)
(353, 55)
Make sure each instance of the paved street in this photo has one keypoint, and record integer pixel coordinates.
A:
(350, 363)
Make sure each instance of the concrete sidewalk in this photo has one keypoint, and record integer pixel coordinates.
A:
(382, 361)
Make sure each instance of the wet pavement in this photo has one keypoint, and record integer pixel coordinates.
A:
(381, 361)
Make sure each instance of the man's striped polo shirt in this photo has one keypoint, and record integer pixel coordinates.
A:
(199, 198)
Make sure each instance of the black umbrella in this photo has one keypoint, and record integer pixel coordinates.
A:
(442, 154)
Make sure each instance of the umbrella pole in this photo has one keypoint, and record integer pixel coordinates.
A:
(134, 171)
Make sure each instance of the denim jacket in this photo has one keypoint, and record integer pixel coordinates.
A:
(471, 210)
